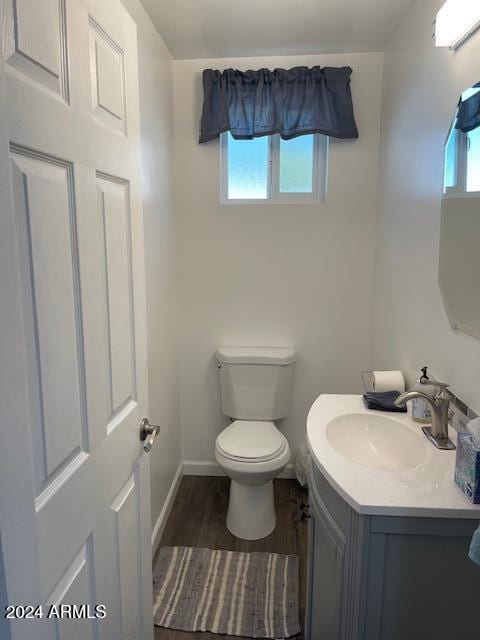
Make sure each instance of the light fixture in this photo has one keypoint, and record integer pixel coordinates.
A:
(456, 20)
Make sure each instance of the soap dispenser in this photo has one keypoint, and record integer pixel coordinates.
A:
(420, 408)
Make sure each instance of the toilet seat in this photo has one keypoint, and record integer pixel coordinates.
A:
(251, 441)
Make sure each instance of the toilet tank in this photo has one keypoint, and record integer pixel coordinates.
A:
(255, 382)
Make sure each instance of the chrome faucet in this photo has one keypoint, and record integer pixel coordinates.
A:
(439, 403)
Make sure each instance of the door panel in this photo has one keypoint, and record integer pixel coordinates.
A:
(113, 205)
(75, 527)
(326, 557)
(76, 586)
(126, 510)
(44, 210)
(107, 70)
(35, 42)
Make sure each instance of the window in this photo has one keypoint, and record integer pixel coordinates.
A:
(450, 171)
(462, 159)
(272, 170)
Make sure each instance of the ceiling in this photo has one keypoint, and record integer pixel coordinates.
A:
(230, 28)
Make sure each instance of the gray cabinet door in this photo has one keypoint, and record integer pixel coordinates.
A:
(326, 566)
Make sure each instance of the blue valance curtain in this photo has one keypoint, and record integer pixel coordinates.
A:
(468, 117)
(291, 102)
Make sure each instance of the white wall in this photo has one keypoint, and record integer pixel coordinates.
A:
(274, 275)
(156, 121)
(421, 89)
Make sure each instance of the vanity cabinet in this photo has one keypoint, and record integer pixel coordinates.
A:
(373, 577)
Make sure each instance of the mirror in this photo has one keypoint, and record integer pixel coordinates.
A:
(459, 263)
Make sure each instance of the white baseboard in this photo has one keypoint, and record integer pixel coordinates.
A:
(167, 507)
(212, 468)
(202, 468)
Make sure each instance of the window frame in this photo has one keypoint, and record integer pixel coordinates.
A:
(274, 196)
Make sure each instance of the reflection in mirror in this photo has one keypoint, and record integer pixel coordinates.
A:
(459, 263)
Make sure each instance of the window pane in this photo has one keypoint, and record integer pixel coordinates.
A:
(247, 168)
(296, 161)
(450, 177)
(473, 160)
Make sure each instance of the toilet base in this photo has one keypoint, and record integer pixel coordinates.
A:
(251, 510)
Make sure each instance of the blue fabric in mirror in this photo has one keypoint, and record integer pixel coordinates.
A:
(468, 117)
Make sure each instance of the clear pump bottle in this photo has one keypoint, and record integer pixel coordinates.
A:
(420, 407)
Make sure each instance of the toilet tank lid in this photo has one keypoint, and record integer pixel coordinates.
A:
(256, 355)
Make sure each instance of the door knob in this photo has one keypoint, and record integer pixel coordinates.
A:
(148, 433)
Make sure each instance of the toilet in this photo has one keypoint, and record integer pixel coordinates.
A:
(255, 385)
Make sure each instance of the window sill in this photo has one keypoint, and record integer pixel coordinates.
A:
(262, 203)
(455, 195)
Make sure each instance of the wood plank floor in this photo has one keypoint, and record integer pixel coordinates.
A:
(198, 517)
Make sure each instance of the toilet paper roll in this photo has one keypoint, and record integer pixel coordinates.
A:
(388, 381)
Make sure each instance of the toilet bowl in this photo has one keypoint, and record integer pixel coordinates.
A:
(251, 453)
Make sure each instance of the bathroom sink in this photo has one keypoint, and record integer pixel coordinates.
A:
(375, 441)
(380, 463)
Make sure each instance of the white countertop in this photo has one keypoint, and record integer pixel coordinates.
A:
(427, 490)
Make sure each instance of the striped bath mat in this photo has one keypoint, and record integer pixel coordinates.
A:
(227, 592)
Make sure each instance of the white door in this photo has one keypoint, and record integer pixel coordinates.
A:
(74, 478)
